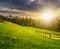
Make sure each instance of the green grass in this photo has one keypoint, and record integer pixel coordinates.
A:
(13, 36)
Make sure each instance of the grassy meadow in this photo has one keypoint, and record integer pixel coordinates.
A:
(13, 36)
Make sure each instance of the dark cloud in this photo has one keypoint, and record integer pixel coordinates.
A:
(20, 4)
(25, 4)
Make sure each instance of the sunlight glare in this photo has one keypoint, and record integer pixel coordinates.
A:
(47, 15)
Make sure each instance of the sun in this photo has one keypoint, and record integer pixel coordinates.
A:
(47, 15)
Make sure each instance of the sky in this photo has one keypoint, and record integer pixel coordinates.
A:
(27, 5)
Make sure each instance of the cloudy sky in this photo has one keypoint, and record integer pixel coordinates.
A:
(27, 4)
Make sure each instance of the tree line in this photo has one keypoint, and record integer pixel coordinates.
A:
(25, 21)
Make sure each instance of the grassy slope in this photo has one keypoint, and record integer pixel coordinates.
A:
(13, 36)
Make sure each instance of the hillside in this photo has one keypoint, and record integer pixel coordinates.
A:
(13, 36)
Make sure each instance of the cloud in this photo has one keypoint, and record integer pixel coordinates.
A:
(26, 4)
(20, 4)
